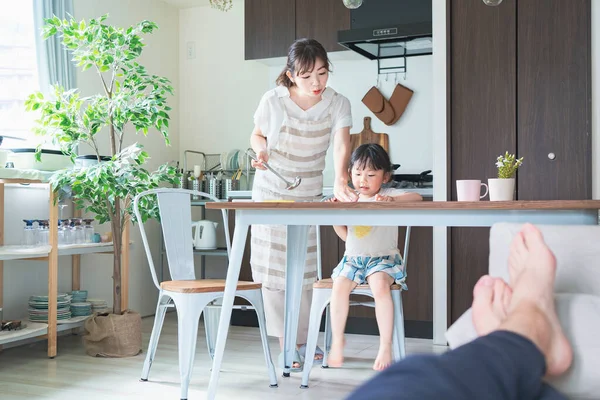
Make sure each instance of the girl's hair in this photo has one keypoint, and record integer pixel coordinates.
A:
(302, 55)
(371, 155)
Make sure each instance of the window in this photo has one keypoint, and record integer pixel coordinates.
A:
(18, 73)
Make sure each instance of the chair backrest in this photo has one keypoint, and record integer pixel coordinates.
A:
(176, 221)
(404, 251)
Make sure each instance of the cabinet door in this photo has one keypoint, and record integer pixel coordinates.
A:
(554, 99)
(269, 28)
(482, 72)
(321, 20)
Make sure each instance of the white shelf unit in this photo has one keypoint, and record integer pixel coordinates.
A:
(37, 329)
(50, 255)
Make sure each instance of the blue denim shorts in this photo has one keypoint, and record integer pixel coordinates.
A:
(358, 269)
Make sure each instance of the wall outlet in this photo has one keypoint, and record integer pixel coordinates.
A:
(191, 50)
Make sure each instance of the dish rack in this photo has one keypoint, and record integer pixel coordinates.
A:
(215, 178)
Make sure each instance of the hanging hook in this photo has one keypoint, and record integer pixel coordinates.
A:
(386, 77)
(395, 78)
(378, 81)
(405, 73)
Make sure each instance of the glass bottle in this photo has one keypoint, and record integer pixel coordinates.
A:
(43, 232)
(29, 236)
(67, 232)
(88, 230)
(78, 234)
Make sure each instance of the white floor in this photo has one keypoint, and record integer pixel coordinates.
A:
(26, 372)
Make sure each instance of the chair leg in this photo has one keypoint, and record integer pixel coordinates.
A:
(399, 345)
(320, 300)
(189, 307)
(327, 340)
(212, 314)
(255, 298)
(159, 318)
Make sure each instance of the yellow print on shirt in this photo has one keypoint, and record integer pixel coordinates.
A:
(361, 231)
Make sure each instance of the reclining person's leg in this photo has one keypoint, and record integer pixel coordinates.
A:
(526, 343)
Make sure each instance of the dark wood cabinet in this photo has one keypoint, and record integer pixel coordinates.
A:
(271, 26)
(554, 99)
(482, 124)
(519, 81)
(321, 20)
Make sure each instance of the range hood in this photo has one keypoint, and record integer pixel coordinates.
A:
(383, 29)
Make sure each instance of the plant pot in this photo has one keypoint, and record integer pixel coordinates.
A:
(89, 160)
(501, 189)
(111, 335)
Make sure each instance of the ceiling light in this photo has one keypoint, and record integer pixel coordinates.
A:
(352, 4)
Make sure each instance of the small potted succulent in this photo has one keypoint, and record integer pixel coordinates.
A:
(503, 187)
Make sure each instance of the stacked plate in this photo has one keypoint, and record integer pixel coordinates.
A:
(38, 308)
(82, 309)
(79, 296)
(98, 306)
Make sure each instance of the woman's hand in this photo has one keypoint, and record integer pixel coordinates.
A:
(343, 192)
(380, 197)
(261, 156)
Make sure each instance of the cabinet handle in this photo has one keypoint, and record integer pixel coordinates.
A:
(551, 156)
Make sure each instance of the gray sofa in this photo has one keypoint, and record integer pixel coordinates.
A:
(577, 251)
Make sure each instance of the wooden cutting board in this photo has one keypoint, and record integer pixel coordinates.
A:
(368, 136)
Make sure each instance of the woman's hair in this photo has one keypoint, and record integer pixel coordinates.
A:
(302, 56)
(371, 155)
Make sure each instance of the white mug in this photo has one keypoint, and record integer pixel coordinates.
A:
(470, 190)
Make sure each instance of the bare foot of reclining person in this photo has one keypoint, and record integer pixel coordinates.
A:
(531, 312)
(491, 299)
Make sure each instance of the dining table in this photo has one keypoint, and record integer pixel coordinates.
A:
(298, 216)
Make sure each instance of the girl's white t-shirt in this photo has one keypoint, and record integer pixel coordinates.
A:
(373, 241)
(269, 114)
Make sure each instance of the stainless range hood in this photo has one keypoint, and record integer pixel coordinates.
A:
(382, 29)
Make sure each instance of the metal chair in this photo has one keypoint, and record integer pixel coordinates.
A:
(320, 302)
(189, 295)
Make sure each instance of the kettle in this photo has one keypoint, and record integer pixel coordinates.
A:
(205, 236)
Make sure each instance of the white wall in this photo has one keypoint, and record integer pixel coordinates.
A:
(219, 90)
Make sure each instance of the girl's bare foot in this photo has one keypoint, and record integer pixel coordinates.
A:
(491, 299)
(384, 357)
(336, 355)
(533, 271)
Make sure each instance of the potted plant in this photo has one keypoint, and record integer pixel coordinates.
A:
(503, 187)
(132, 100)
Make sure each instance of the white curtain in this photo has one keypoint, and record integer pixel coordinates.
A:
(54, 61)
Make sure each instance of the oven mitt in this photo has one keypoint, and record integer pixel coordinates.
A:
(399, 101)
(379, 105)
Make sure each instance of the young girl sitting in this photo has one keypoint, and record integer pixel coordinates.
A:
(371, 255)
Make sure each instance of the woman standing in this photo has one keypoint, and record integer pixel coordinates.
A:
(293, 128)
